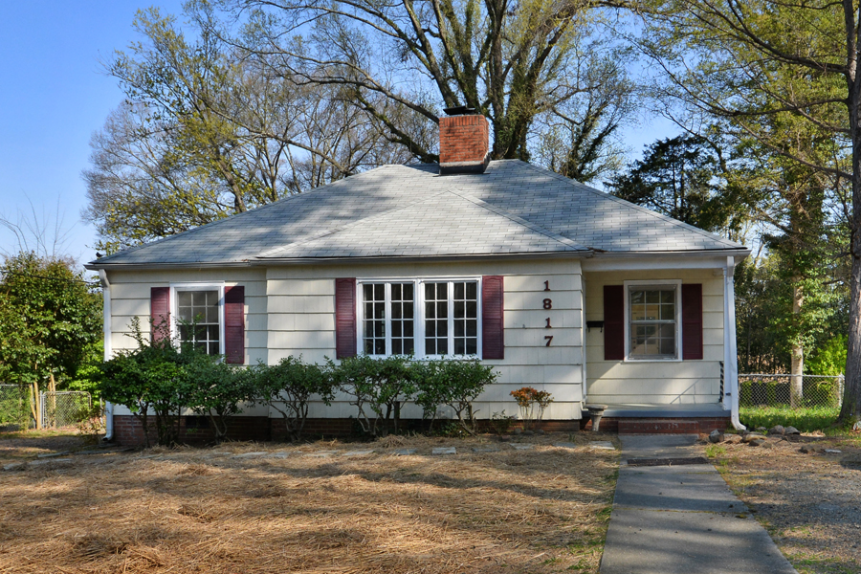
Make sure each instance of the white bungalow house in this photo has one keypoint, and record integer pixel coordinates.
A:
(559, 286)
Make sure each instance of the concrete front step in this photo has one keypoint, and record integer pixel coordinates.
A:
(667, 425)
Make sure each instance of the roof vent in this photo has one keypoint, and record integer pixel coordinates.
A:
(464, 141)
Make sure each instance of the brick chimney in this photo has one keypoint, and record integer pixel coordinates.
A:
(463, 141)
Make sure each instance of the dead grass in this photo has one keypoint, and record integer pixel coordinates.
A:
(23, 445)
(191, 510)
(809, 502)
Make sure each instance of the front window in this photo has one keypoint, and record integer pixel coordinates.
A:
(198, 316)
(441, 316)
(652, 327)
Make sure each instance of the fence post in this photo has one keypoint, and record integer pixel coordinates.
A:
(42, 414)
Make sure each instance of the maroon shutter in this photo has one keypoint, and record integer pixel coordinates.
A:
(492, 325)
(159, 306)
(614, 322)
(692, 322)
(345, 317)
(234, 324)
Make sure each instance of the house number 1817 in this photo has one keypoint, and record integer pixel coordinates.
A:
(548, 304)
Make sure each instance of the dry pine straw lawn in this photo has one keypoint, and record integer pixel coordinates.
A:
(192, 510)
(809, 503)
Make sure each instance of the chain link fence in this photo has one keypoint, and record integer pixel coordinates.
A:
(64, 408)
(14, 406)
(791, 392)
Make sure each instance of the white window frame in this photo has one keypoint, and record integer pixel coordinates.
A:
(194, 286)
(678, 316)
(419, 314)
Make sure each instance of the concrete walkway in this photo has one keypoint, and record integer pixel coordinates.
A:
(682, 519)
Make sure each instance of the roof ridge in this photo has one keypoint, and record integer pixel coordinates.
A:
(519, 220)
(233, 216)
(346, 226)
(666, 218)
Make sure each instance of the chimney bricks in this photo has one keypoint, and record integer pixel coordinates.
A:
(463, 144)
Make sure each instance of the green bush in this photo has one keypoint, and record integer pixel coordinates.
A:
(376, 387)
(217, 390)
(453, 383)
(288, 387)
(828, 359)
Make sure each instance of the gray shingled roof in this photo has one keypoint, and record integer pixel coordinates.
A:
(412, 211)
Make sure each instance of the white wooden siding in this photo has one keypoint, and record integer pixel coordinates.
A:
(290, 310)
(655, 382)
(302, 322)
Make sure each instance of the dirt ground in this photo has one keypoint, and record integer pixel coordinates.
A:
(313, 508)
(809, 502)
(29, 444)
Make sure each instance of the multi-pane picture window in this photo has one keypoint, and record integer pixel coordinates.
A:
(441, 315)
(198, 320)
(653, 322)
(388, 318)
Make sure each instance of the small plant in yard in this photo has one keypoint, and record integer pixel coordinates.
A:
(501, 422)
(90, 423)
(531, 400)
(288, 387)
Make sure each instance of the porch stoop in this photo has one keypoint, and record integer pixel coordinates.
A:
(664, 419)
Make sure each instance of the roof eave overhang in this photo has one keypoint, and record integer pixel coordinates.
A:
(737, 254)
(262, 262)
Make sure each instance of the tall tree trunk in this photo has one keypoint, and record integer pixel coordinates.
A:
(851, 409)
(796, 394)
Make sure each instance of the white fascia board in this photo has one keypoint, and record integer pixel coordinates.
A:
(651, 262)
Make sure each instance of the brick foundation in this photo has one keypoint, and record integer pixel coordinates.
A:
(648, 425)
(198, 430)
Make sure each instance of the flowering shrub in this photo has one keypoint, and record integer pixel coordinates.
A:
(528, 399)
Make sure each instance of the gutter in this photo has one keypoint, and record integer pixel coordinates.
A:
(586, 253)
(106, 293)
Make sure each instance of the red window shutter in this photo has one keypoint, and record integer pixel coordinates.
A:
(159, 306)
(234, 324)
(614, 322)
(492, 325)
(345, 317)
(692, 322)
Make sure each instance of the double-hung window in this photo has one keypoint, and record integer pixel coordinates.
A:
(389, 318)
(199, 320)
(653, 322)
(425, 318)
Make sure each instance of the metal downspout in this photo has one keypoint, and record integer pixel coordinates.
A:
(731, 388)
(106, 294)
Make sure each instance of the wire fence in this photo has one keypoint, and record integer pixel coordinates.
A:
(14, 406)
(792, 392)
(64, 408)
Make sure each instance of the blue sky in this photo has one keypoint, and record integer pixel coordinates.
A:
(55, 95)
